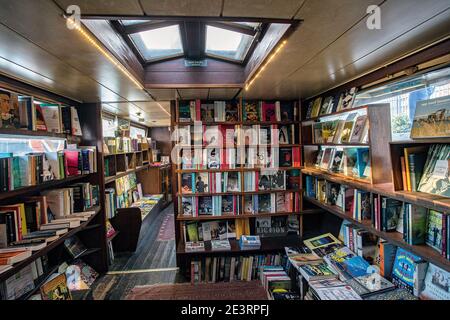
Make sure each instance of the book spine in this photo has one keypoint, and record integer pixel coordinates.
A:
(444, 235)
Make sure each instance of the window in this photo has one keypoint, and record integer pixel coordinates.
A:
(136, 132)
(228, 44)
(403, 96)
(158, 43)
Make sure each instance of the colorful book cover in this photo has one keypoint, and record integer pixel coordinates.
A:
(268, 112)
(431, 118)
(363, 160)
(321, 241)
(404, 268)
(40, 120)
(417, 225)
(359, 128)
(56, 289)
(9, 108)
(436, 178)
(251, 111)
(434, 234)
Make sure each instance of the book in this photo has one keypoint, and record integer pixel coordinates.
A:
(359, 128)
(436, 284)
(40, 120)
(220, 245)
(337, 161)
(417, 224)
(74, 246)
(250, 111)
(333, 289)
(396, 294)
(327, 157)
(346, 99)
(431, 118)
(370, 284)
(347, 129)
(76, 127)
(187, 183)
(408, 271)
(316, 107)
(80, 275)
(318, 271)
(327, 106)
(434, 232)
(435, 177)
(10, 110)
(14, 256)
(52, 117)
(390, 213)
(56, 289)
(324, 240)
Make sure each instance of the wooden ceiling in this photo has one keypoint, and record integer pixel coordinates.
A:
(332, 46)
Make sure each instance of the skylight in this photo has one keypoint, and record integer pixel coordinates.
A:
(225, 43)
(158, 43)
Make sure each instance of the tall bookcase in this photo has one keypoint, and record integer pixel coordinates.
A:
(386, 179)
(91, 232)
(268, 244)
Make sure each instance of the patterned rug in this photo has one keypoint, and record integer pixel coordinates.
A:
(167, 230)
(241, 290)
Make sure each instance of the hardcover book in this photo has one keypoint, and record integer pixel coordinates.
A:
(436, 284)
(434, 233)
(431, 118)
(56, 289)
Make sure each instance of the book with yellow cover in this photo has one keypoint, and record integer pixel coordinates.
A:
(56, 289)
(323, 240)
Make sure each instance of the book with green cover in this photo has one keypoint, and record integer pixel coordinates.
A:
(184, 112)
(192, 232)
(435, 178)
(417, 224)
(433, 236)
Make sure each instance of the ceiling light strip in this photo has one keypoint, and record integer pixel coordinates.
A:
(264, 66)
(108, 55)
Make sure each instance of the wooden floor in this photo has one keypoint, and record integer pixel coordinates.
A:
(153, 262)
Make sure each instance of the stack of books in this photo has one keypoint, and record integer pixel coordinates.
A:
(249, 242)
(194, 246)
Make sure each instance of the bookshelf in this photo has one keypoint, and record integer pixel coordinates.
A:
(386, 179)
(268, 243)
(91, 232)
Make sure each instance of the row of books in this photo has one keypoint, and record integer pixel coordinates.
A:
(417, 224)
(60, 207)
(232, 204)
(352, 162)
(72, 275)
(354, 129)
(331, 271)
(231, 135)
(24, 112)
(232, 158)
(18, 171)
(425, 169)
(228, 269)
(221, 111)
(279, 226)
(114, 145)
(322, 106)
(218, 182)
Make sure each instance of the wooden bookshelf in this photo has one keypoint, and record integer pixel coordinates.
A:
(396, 238)
(337, 113)
(427, 200)
(125, 173)
(268, 244)
(246, 216)
(92, 232)
(43, 186)
(39, 134)
(52, 245)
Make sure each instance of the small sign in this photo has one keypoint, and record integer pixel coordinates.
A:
(196, 63)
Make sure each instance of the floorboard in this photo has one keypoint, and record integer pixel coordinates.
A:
(150, 254)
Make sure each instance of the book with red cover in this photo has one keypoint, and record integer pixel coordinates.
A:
(72, 161)
(268, 112)
(40, 121)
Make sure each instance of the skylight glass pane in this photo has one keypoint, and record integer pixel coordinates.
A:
(159, 43)
(226, 43)
(132, 22)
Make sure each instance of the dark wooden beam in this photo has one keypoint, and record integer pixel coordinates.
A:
(146, 26)
(120, 30)
(231, 26)
(190, 18)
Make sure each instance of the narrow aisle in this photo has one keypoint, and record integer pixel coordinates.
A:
(153, 262)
